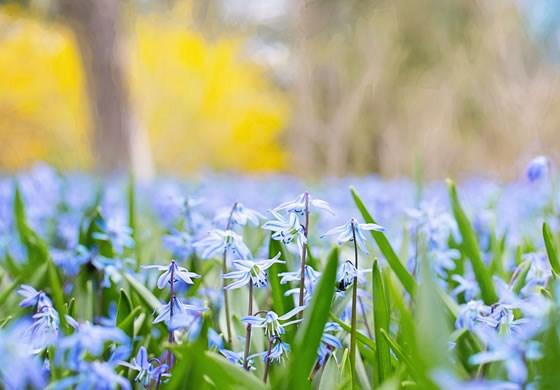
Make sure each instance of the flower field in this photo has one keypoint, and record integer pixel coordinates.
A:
(233, 282)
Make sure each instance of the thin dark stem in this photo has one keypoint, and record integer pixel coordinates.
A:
(224, 271)
(267, 364)
(248, 335)
(362, 307)
(354, 299)
(171, 336)
(318, 366)
(304, 254)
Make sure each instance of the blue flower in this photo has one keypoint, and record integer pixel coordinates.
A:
(346, 273)
(116, 231)
(253, 271)
(179, 273)
(71, 260)
(345, 233)
(219, 241)
(272, 323)
(176, 314)
(311, 279)
(538, 168)
(93, 375)
(147, 371)
(19, 367)
(329, 342)
(179, 243)
(88, 339)
(237, 358)
(298, 206)
(277, 353)
(240, 215)
(286, 230)
(32, 297)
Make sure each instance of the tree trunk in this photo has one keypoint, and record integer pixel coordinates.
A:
(96, 24)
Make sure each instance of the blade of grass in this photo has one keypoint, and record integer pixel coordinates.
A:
(551, 249)
(309, 334)
(146, 296)
(385, 247)
(381, 322)
(471, 248)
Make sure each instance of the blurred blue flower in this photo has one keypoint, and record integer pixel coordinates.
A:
(176, 314)
(93, 375)
(297, 206)
(345, 233)
(116, 231)
(33, 298)
(148, 371)
(538, 168)
(219, 241)
(240, 215)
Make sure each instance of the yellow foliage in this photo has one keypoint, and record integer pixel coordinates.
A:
(202, 105)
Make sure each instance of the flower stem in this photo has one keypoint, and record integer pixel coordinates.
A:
(224, 271)
(171, 336)
(267, 359)
(354, 304)
(304, 254)
(248, 335)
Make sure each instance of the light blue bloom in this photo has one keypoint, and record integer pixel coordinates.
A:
(538, 168)
(240, 215)
(33, 298)
(219, 241)
(346, 273)
(93, 375)
(297, 206)
(345, 233)
(237, 358)
(115, 230)
(179, 273)
(277, 353)
(147, 371)
(20, 368)
(272, 323)
(177, 314)
(286, 229)
(251, 271)
(88, 339)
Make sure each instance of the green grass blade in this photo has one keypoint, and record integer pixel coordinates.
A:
(385, 247)
(381, 322)
(401, 356)
(551, 249)
(280, 302)
(124, 306)
(146, 296)
(315, 317)
(471, 248)
(362, 338)
(57, 294)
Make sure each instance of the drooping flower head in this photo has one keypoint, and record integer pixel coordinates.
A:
(251, 271)
(272, 323)
(179, 274)
(219, 241)
(346, 233)
(298, 205)
(286, 229)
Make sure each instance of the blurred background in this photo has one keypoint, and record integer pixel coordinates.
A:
(307, 87)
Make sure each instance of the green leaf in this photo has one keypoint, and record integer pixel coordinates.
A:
(551, 249)
(146, 296)
(127, 324)
(57, 294)
(381, 318)
(401, 356)
(359, 335)
(385, 247)
(124, 307)
(132, 218)
(520, 276)
(8, 291)
(470, 246)
(309, 334)
(37, 249)
(280, 302)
